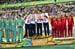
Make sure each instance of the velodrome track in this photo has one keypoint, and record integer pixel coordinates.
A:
(69, 46)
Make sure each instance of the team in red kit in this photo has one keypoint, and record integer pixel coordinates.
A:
(70, 25)
(62, 25)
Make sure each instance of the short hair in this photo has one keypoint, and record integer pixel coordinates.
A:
(13, 14)
(19, 15)
(0, 14)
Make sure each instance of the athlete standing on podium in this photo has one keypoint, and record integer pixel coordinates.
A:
(1, 27)
(46, 23)
(20, 23)
(39, 22)
(13, 28)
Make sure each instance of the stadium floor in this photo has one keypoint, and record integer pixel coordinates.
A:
(39, 43)
(69, 46)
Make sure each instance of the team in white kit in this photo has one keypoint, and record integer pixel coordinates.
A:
(34, 24)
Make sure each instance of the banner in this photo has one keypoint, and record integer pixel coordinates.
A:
(33, 3)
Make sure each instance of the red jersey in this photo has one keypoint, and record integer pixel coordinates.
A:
(63, 19)
(59, 22)
(51, 21)
(54, 22)
(70, 21)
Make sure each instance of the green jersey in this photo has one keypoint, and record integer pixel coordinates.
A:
(20, 22)
(1, 23)
(7, 23)
(13, 24)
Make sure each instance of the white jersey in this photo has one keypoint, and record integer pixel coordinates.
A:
(38, 20)
(45, 20)
(32, 18)
(27, 20)
(44, 15)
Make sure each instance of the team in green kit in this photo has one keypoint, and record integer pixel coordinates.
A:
(1, 27)
(20, 23)
(7, 26)
(12, 26)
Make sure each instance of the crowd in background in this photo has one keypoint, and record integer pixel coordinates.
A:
(49, 8)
